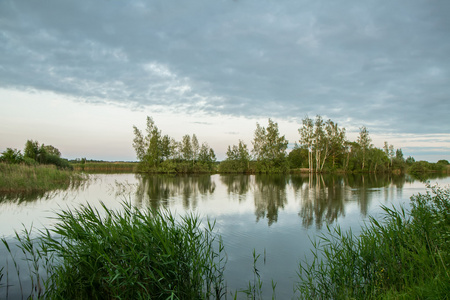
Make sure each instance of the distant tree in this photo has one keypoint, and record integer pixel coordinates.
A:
(364, 141)
(410, 160)
(238, 159)
(323, 140)
(269, 148)
(186, 148)
(49, 149)
(148, 148)
(207, 157)
(336, 139)
(443, 162)
(195, 148)
(11, 156)
(31, 150)
(298, 157)
(307, 139)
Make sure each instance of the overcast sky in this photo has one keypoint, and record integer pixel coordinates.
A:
(79, 74)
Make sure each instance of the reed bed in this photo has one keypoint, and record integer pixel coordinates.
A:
(131, 254)
(20, 178)
(406, 255)
(106, 166)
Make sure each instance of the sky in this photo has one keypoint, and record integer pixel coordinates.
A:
(79, 75)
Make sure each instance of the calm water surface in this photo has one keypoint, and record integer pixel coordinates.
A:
(275, 215)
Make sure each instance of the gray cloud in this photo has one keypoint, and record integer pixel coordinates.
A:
(377, 63)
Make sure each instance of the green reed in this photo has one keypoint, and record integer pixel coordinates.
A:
(131, 254)
(404, 256)
(106, 166)
(20, 178)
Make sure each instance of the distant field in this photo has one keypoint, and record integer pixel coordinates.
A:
(105, 166)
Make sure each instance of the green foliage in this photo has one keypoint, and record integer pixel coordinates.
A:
(102, 166)
(20, 178)
(237, 161)
(31, 150)
(42, 154)
(162, 154)
(11, 156)
(132, 254)
(425, 167)
(405, 256)
(269, 149)
(443, 162)
(298, 158)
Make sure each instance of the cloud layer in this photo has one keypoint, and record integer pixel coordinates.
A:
(382, 64)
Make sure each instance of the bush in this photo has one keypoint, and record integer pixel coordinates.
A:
(11, 156)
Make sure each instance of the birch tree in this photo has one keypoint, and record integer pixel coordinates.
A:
(307, 139)
(364, 141)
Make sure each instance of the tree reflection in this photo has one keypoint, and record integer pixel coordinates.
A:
(156, 191)
(322, 198)
(237, 185)
(270, 195)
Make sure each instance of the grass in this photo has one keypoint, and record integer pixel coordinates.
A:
(19, 178)
(132, 254)
(404, 256)
(106, 166)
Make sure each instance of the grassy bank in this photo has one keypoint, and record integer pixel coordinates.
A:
(105, 166)
(404, 256)
(20, 178)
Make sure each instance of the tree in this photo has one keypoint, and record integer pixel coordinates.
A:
(11, 156)
(238, 158)
(195, 148)
(364, 142)
(207, 156)
(323, 140)
(186, 148)
(337, 139)
(307, 139)
(49, 149)
(269, 148)
(148, 148)
(31, 150)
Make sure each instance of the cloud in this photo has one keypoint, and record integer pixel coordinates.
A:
(384, 65)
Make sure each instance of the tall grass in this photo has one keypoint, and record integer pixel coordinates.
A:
(406, 255)
(20, 178)
(106, 166)
(132, 254)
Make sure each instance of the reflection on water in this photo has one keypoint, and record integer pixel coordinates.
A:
(22, 198)
(155, 191)
(270, 196)
(272, 214)
(322, 198)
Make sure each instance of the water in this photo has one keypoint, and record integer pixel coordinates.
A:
(273, 215)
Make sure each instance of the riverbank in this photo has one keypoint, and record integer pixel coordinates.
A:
(106, 166)
(21, 178)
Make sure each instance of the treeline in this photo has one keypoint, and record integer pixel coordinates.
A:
(322, 147)
(35, 154)
(159, 153)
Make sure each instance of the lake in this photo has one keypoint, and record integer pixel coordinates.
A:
(273, 215)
